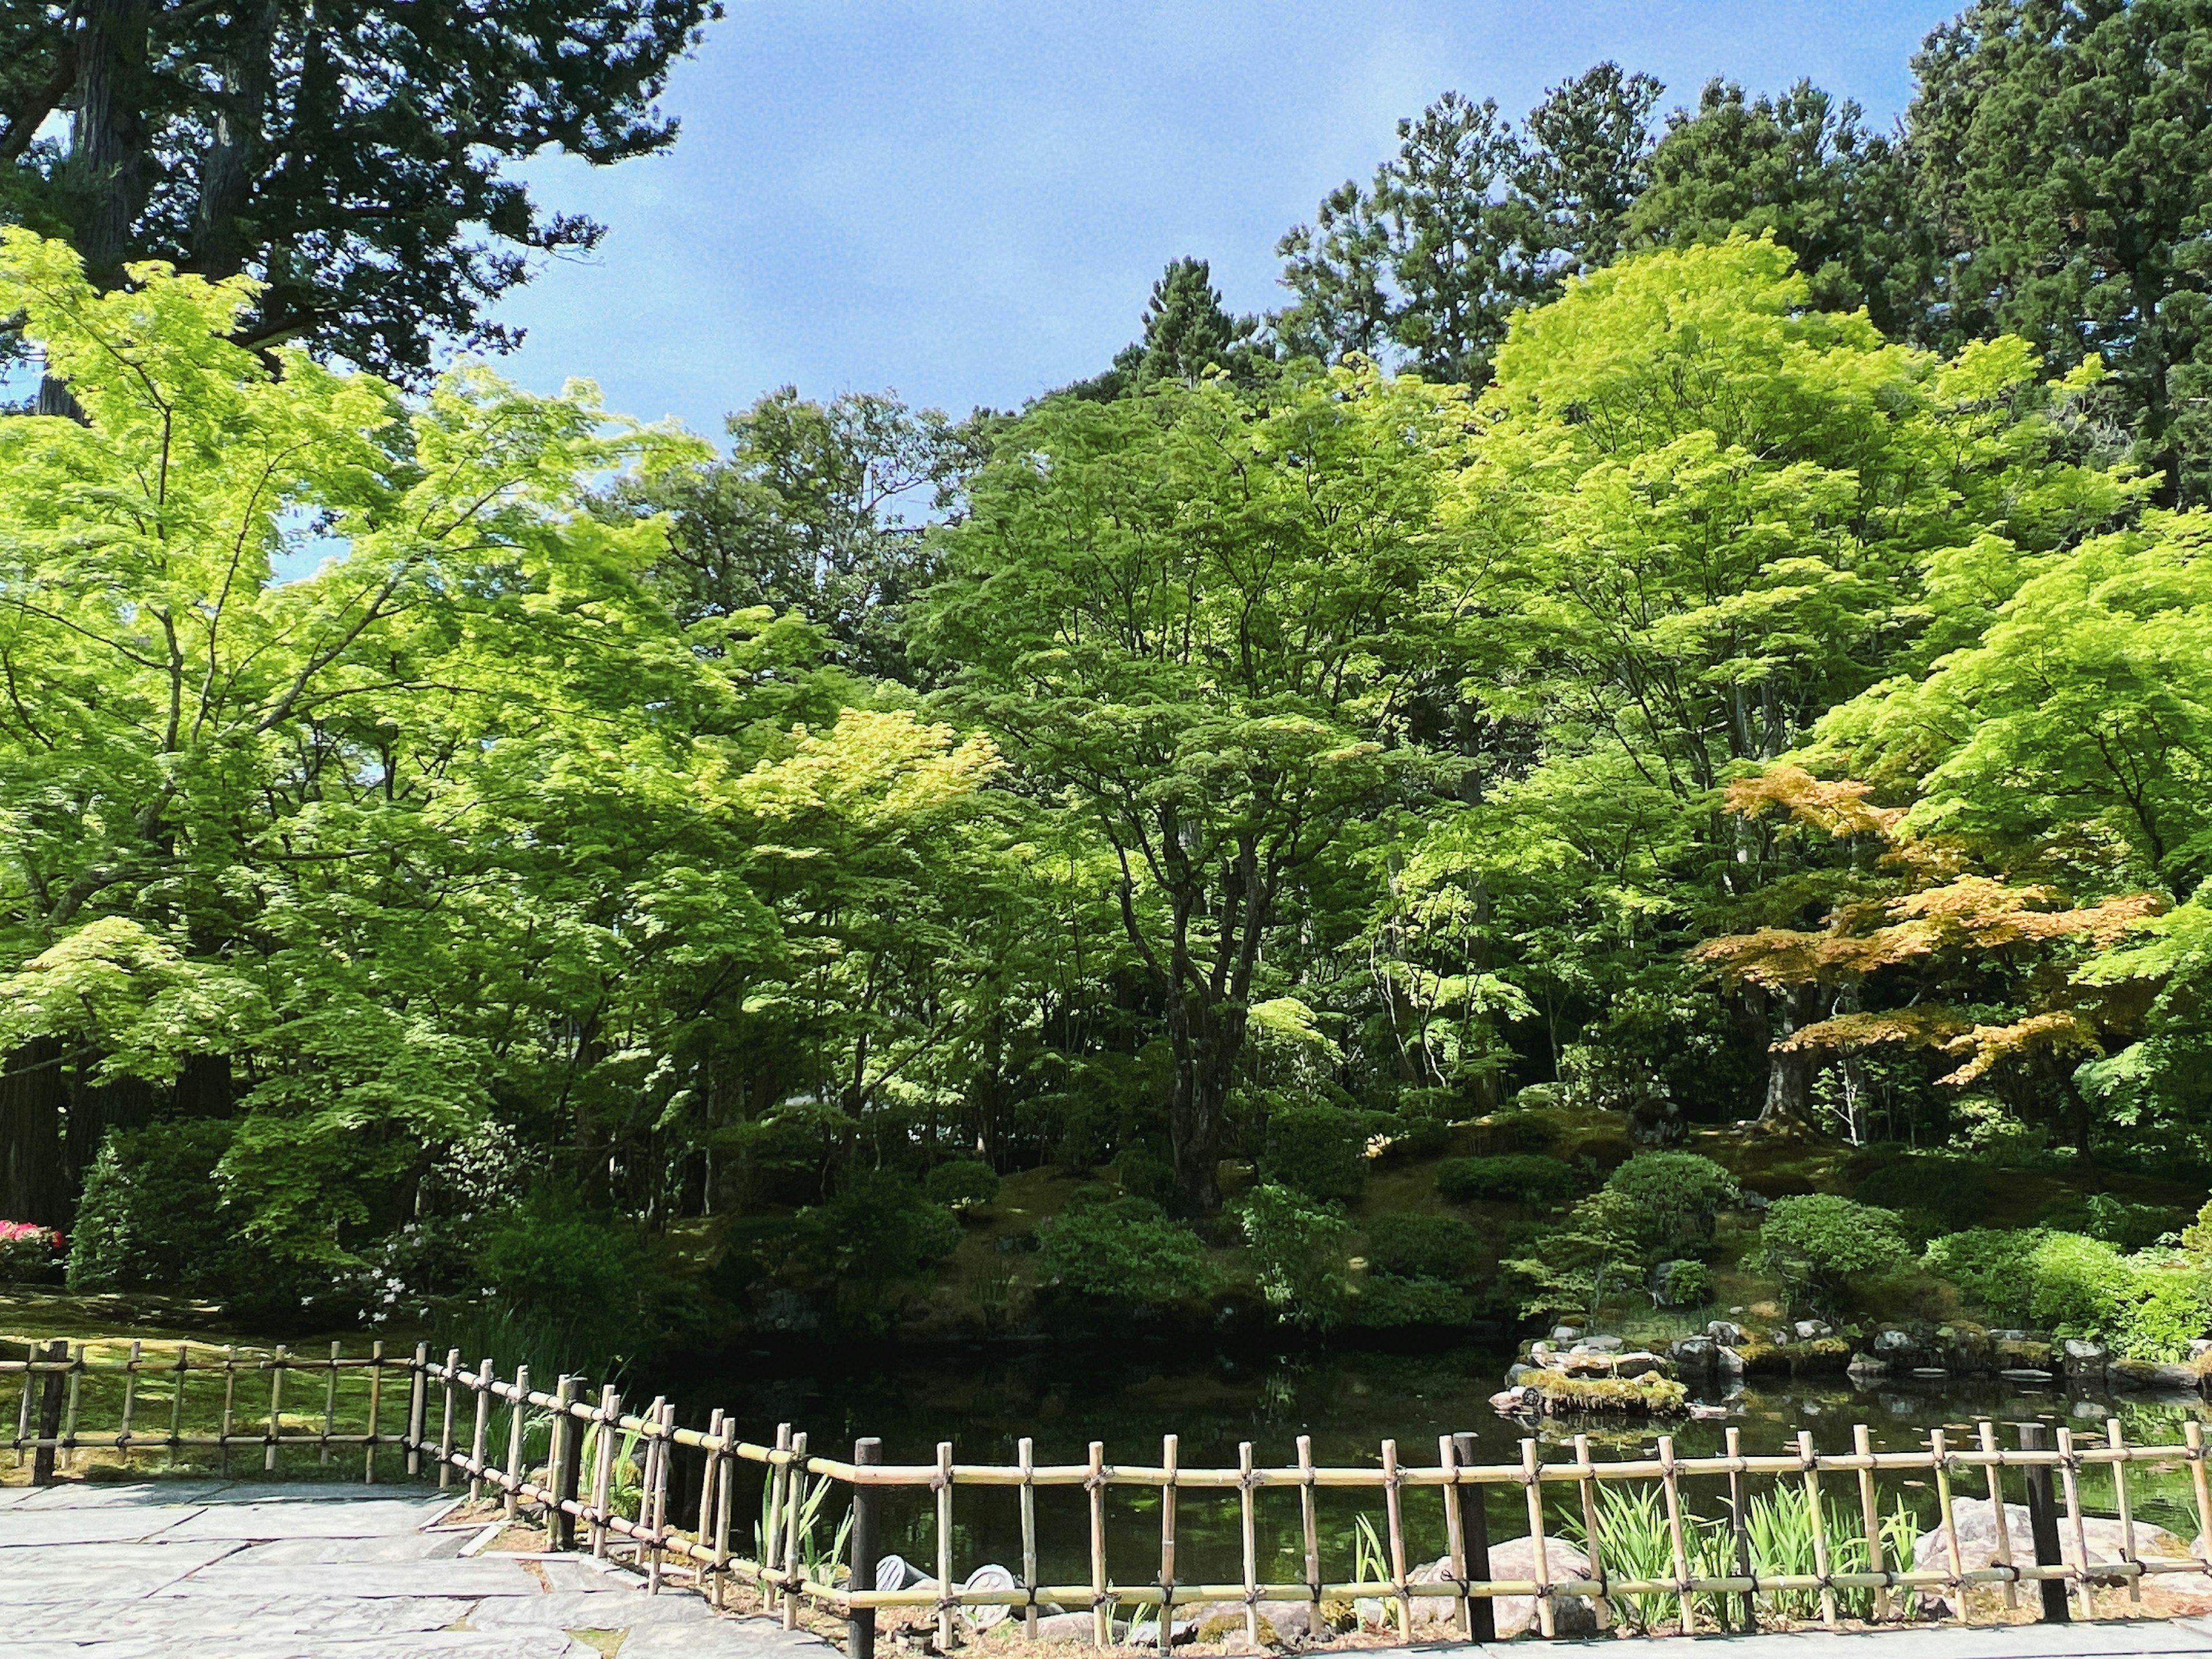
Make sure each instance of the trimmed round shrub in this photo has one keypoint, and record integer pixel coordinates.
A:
(1520, 1177)
(966, 1183)
(1317, 1150)
(1123, 1249)
(1685, 1282)
(1818, 1242)
(1145, 1174)
(1424, 1247)
(1677, 1194)
(1992, 1267)
(880, 1227)
(1296, 1249)
(1954, 1192)
(150, 1216)
(1387, 1301)
(2128, 1226)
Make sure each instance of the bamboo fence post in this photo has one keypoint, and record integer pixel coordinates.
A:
(129, 1400)
(1870, 1517)
(2042, 1527)
(563, 1466)
(1169, 1443)
(1309, 1521)
(2192, 1435)
(177, 1405)
(654, 1445)
(1940, 1465)
(1455, 1537)
(1817, 1517)
(2002, 1527)
(717, 1421)
(45, 1450)
(376, 1414)
(1545, 1617)
(1737, 1526)
(2068, 1465)
(794, 1510)
(658, 1491)
(1026, 1453)
(724, 1495)
(861, 1623)
(1592, 1529)
(76, 1371)
(1475, 1538)
(229, 1402)
(1393, 1517)
(943, 1484)
(602, 1465)
(276, 1368)
(329, 1405)
(481, 1388)
(23, 1406)
(418, 1385)
(1102, 1616)
(2117, 1440)
(1247, 1496)
(1671, 1488)
(771, 1542)
(517, 1425)
(446, 1428)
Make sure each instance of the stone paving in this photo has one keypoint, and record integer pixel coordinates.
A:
(192, 1570)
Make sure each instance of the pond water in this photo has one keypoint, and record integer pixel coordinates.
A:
(1349, 1402)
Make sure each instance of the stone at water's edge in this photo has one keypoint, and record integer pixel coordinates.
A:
(2164, 1595)
(1515, 1559)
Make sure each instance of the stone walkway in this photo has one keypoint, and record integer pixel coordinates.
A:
(193, 1570)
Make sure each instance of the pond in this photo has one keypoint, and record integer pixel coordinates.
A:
(1349, 1402)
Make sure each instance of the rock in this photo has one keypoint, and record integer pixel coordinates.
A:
(1599, 1345)
(1565, 1332)
(2019, 1351)
(1726, 1334)
(2200, 1347)
(1779, 1338)
(1930, 1373)
(2026, 1374)
(2164, 1596)
(1733, 1311)
(1700, 1354)
(1515, 1371)
(1865, 1370)
(2082, 1359)
(1513, 1560)
(1506, 1401)
(1809, 1329)
(1073, 1627)
(1280, 1622)
(2141, 1376)
(1726, 1363)
(1751, 1200)
(1891, 1340)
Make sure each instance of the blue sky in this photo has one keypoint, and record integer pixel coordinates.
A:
(968, 200)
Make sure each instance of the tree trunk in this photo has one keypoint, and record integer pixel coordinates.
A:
(93, 1109)
(1790, 1071)
(220, 244)
(32, 1184)
(108, 162)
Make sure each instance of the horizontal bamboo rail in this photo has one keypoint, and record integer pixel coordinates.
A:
(450, 1424)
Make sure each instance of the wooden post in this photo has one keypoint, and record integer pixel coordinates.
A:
(2043, 1526)
(655, 1497)
(1474, 1530)
(2070, 1485)
(794, 1508)
(1593, 1530)
(177, 1405)
(445, 1429)
(771, 1544)
(1101, 1613)
(23, 1404)
(517, 1425)
(49, 1414)
(1994, 1469)
(329, 1405)
(1940, 1462)
(1309, 1521)
(1816, 1517)
(1168, 1444)
(277, 1369)
(1671, 1488)
(1395, 1518)
(2192, 1435)
(1026, 1453)
(481, 1388)
(230, 1404)
(418, 1385)
(1870, 1517)
(69, 1410)
(603, 1466)
(868, 1548)
(2117, 1440)
(943, 1484)
(723, 1496)
(563, 1472)
(1740, 1527)
(1246, 1497)
(375, 1413)
(129, 1400)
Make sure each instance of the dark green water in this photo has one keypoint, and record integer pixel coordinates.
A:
(1349, 1402)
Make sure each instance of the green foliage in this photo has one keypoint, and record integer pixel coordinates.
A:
(1392, 1301)
(878, 1229)
(580, 1279)
(1993, 1267)
(2149, 1305)
(1953, 1193)
(1678, 1194)
(1317, 1150)
(1567, 1268)
(965, 1183)
(1818, 1243)
(1687, 1282)
(1298, 1250)
(1425, 1246)
(1124, 1250)
(1515, 1178)
(2118, 1222)
(151, 1217)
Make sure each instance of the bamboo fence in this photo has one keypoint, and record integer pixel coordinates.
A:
(451, 1423)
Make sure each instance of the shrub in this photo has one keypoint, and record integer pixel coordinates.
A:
(1441, 1247)
(1954, 1192)
(554, 1268)
(1387, 1301)
(1527, 1177)
(1123, 1250)
(1683, 1282)
(1316, 1149)
(2117, 1221)
(1818, 1242)
(151, 1217)
(1679, 1193)
(1145, 1174)
(1992, 1267)
(966, 1183)
(28, 1251)
(1297, 1254)
(877, 1229)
